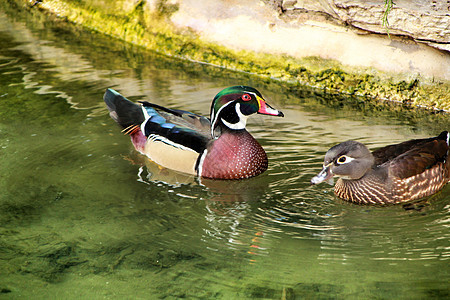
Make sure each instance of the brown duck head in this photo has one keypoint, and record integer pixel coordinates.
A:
(349, 160)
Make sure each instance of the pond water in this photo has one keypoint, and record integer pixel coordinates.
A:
(83, 216)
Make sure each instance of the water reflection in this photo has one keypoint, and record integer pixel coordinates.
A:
(83, 215)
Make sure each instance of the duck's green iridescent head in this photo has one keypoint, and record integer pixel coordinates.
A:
(233, 105)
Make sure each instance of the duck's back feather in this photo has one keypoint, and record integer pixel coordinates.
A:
(413, 157)
(180, 128)
(181, 118)
(419, 159)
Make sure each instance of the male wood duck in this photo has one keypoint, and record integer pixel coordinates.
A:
(218, 148)
(393, 174)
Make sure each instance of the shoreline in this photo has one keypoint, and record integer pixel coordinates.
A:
(154, 31)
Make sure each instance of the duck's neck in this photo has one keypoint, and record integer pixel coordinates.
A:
(235, 154)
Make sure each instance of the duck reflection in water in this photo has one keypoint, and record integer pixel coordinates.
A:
(229, 205)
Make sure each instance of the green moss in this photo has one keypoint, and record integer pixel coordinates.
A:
(153, 31)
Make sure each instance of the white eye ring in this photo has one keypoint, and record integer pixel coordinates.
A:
(344, 159)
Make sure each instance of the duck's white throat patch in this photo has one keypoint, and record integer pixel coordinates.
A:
(242, 119)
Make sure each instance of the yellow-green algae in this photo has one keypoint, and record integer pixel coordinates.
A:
(135, 24)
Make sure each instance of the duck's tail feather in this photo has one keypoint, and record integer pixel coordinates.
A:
(126, 113)
(444, 136)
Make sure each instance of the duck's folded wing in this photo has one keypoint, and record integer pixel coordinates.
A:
(181, 118)
(176, 127)
(419, 158)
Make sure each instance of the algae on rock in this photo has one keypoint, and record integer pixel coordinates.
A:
(147, 24)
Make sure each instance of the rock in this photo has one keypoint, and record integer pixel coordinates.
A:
(424, 21)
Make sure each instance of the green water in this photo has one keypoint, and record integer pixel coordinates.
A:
(83, 216)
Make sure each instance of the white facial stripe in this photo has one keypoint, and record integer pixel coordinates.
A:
(239, 125)
(214, 117)
(242, 119)
(256, 96)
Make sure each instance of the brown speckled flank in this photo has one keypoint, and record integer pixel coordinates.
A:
(373, 190)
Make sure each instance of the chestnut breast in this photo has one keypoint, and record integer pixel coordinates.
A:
(234, 155)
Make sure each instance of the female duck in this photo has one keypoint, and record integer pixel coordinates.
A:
(219, 147)
(393, 174)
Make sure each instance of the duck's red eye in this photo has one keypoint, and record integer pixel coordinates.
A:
(246, 97)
